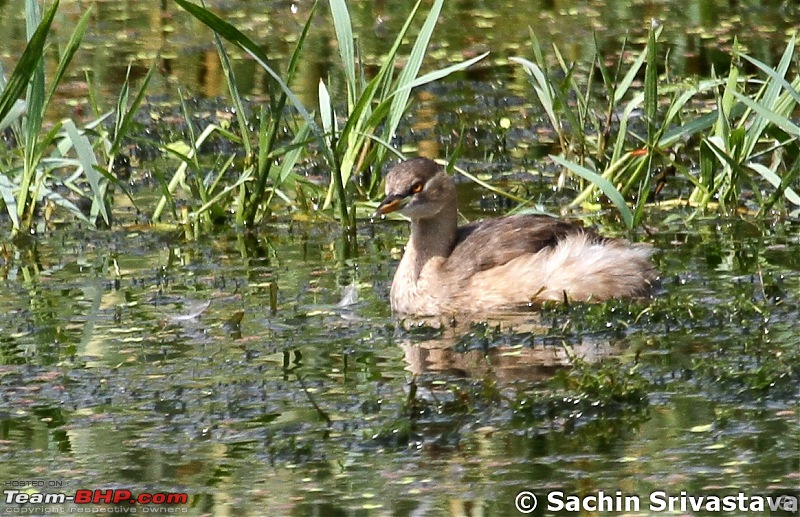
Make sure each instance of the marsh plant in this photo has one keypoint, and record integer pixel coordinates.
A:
(268, 163)
(747, 136)
(375, 105)
(63, 165)
(351, 132)
(724, 135)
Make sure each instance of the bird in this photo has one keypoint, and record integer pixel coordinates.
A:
(499, 264)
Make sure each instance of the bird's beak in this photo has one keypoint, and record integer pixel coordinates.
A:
(390, 204)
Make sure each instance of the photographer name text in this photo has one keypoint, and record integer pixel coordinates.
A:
(661, 501)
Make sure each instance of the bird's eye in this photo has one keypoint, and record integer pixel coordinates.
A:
(416, 188)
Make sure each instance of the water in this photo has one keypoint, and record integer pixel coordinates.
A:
(318, 409)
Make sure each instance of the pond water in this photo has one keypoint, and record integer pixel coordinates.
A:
(262, 373)
(304, 407)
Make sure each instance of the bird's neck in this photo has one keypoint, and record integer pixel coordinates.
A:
(433, 237)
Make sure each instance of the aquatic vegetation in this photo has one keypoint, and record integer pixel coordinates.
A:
(604, 144)
(30, 178)
(623, 129)
(375, 106)
(63, 165)
(752, 134)
(261, 175)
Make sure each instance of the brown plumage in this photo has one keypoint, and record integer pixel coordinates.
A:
(499, 263)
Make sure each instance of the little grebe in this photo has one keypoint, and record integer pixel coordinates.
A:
(500, 263)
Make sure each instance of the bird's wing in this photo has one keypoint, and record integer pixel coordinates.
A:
(486, 244)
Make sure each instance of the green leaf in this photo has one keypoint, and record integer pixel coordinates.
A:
(651, 86)
(441, 73)
(29, 73)
(291, 157)
(542, 87)
(411, 69)
(630, 76)
(88, 162)
(603, 184)
(775, 181)
(769, 115)
(326, 112)
(16, 111)
(125, 113)
(63, 202)
(7, 193)
(344, 37)
(233, 35)
(773, 74)
(66, 58)
(771, 93)
(236, 97)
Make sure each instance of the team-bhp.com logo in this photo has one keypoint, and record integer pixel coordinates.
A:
(118, 496)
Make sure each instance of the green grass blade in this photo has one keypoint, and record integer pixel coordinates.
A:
(296, 54)
(694, 126)
(769, 115)
(387, 146)
(93, 93)
(344, 36)
(233, 89)
(33, 17)
(773, 74)
(630, 76)
(622, 132)
(775, 180)
(179, 177)
(233, 35)
(361, 120)
(441, 73)
(726, 103)
(333, 140)
(66, 58)
(35, 104)
(788, 179)
(603, 184)
(226, 166)
(124, 123)
(65, 203)
(489, 186)
(542, 87)
(187, 118)
(411, 69)
(88, 162)
(771, 94)
(36, 88)
(122, 101)
(326, 112)
(643, 176)
(537, 50)
(360, 113)
(651, 88)
(10, 202)
(268, 132)
(244, 177)
(599, 62)
(14, 114)
(291, 157)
